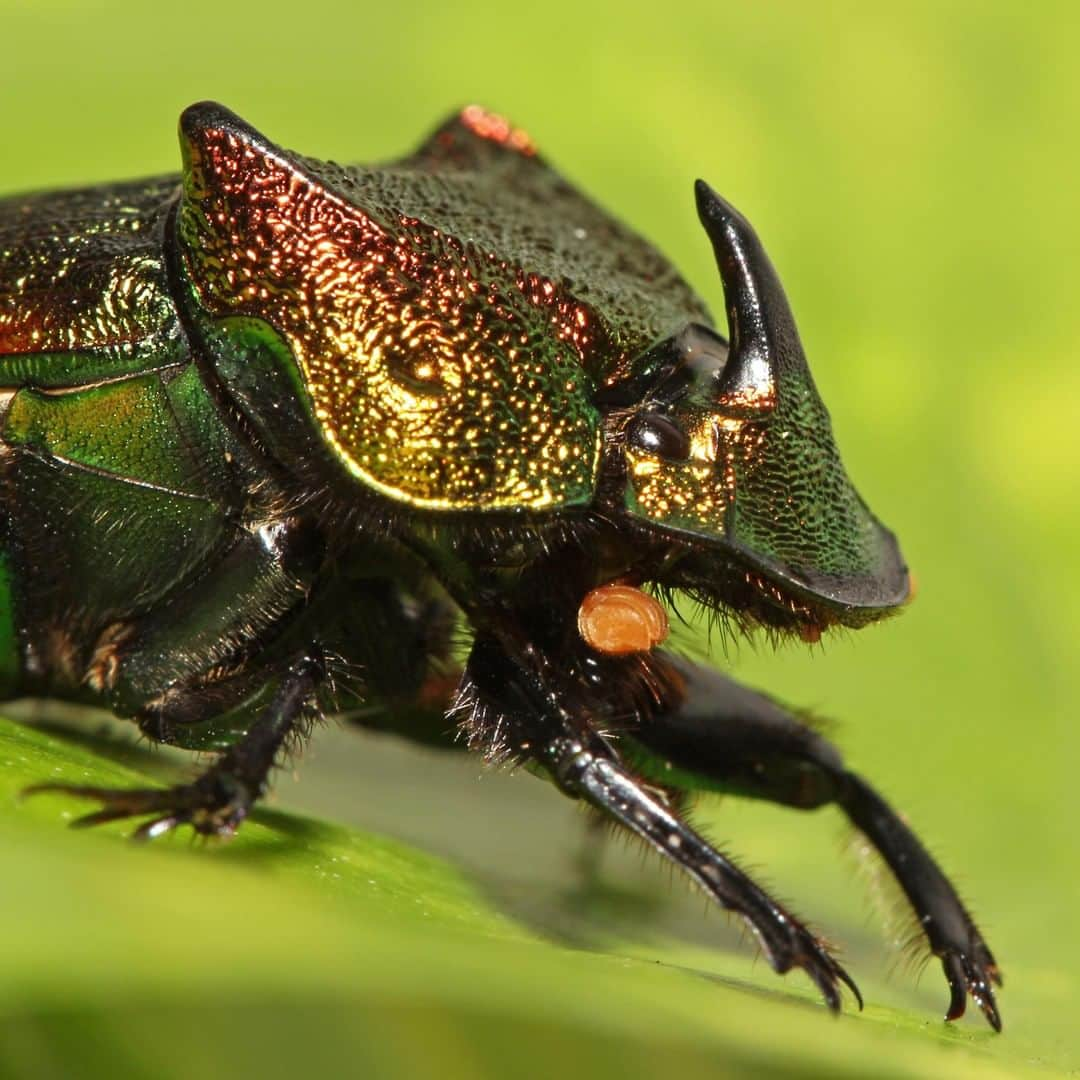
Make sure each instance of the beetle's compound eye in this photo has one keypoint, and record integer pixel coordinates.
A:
(658, 434)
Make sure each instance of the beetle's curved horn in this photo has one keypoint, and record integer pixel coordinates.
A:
(764, 340)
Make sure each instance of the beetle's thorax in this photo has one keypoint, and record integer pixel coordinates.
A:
(446, 324)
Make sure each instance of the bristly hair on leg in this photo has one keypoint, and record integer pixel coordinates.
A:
(899, 921)
(293, 746)
(481, 727)
(344, 681)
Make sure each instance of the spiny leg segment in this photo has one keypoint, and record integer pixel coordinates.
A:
(727, 737)
(519, 698)
(218, 801)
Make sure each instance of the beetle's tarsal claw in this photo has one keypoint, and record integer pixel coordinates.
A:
(849, 982)
(972, 976)
(989, 1008)
(210, 806)
(158, 827)
(827, 975)
(827, 986)
(829, 992)
(954, 973)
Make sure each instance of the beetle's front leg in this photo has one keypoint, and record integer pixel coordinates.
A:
(521, 702)
(734, 739)
(218, 801)
(607, 785)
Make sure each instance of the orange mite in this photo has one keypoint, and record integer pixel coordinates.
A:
(620, 619)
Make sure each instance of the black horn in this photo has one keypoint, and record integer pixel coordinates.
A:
(764, 340)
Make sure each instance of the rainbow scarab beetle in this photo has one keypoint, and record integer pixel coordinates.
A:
(272, 429)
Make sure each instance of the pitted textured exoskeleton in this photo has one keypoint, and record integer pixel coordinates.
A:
(274, 430)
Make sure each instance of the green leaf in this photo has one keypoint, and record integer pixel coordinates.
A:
(302, 944)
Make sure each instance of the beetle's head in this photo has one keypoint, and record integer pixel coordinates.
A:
(468, 334)
(729, 456)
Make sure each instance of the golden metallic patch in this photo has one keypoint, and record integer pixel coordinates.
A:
(696, 494)
(438, 374)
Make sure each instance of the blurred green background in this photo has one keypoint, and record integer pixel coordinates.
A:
(913, 171)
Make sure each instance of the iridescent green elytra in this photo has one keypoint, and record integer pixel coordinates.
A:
(274, 431)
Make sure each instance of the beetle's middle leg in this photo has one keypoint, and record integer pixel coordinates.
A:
(267, 690)
(219, 800)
